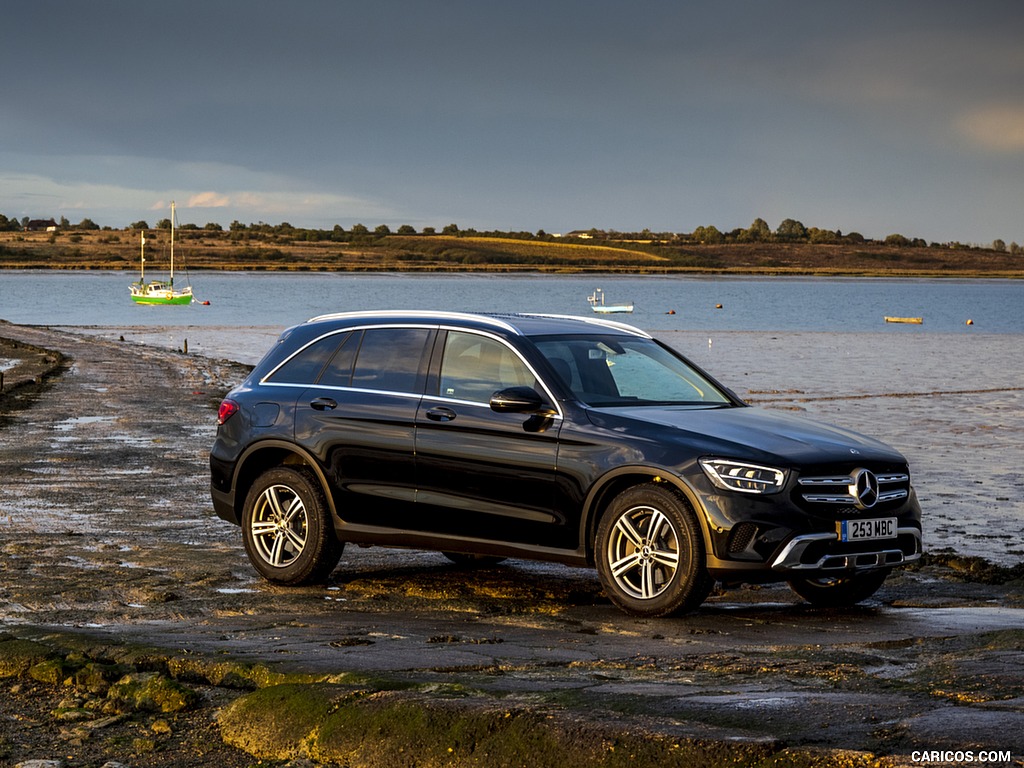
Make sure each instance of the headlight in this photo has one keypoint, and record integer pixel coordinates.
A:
(745, 478)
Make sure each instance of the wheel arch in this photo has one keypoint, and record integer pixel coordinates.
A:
(267, 454)
(618, 480)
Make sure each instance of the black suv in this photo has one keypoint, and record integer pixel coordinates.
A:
(569, 439)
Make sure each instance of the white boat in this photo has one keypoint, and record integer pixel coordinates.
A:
(597, 303)
(159, 291)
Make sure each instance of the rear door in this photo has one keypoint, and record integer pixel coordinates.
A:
(359, 421)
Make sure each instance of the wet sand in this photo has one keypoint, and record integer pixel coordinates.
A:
(108, 535)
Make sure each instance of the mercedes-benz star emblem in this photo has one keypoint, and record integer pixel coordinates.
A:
(864, 489)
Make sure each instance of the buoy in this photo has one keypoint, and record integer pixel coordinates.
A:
(206, 303)
(670, 312)
(970, 322)
(718, 306)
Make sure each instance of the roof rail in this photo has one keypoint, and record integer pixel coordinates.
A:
(599, 321)
(419, 314)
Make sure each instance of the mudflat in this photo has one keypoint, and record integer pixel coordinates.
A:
(111, 559)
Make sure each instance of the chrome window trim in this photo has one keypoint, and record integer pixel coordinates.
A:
(428, 326)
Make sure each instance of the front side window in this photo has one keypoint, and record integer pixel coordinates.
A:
(390, 359)
(475, 367)
(612, 371)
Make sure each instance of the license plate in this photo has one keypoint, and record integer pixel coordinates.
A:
(866, 530)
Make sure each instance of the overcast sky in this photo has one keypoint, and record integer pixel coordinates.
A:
(876, 117)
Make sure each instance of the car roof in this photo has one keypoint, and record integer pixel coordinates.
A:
(509, 323)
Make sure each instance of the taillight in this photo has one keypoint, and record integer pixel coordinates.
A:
(228, 408)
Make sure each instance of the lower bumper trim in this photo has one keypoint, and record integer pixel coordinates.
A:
(792, 556)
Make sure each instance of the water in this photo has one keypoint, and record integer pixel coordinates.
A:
(748, 303)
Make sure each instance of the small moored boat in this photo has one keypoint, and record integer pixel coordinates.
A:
(597, 303)
(910, 320)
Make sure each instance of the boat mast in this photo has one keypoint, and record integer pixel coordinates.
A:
(142, 257)
(172, 244)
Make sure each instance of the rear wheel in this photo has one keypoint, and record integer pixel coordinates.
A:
(287, 528)
(650, 553)
(838, 591)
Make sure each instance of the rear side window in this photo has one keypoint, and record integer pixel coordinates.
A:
(305, 366)
(338, 372)
(390, 359)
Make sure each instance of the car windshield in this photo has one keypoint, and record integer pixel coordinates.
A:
(605, 371)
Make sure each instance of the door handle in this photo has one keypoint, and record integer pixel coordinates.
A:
(323, 404)
(441, 414)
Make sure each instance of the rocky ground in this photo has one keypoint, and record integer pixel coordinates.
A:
(132, 629)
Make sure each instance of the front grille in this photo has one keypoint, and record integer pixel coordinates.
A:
(855, 492)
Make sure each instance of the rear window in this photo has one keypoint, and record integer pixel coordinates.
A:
(390, 359)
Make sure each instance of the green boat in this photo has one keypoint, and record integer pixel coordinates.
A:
(159, 291)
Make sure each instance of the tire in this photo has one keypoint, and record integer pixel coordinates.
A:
(287, 528)
(838, 591)
(473, 561)
(650, 553)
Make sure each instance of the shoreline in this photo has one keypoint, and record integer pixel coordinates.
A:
(547, 270)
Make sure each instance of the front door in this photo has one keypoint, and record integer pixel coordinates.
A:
(483, 474)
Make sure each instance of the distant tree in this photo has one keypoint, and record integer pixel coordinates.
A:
(87, 224)
(406, 229)
(822, 236)
(450, 229)
(855, 238)
(898, 240)
(139, 225)
(1015, 249)
(429, 231)
(791, 229)
(360, 229)
(24, 221)
(709, 235)
(163, 224)
(212, 226)
(64, 223)
(237, 226)
(382, 231)
(757, 232)
(999, 245)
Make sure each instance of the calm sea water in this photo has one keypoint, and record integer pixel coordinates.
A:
(748, 304)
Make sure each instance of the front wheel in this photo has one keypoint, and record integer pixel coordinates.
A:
(838, 591)
(650, 553)
(287, 528)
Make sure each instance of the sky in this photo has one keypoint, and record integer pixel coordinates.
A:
(876, 117)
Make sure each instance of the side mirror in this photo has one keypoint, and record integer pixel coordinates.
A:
(519, 400)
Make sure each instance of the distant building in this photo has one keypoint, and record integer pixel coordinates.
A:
(41, 225)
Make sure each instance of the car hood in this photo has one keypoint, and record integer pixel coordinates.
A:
(751, 433)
